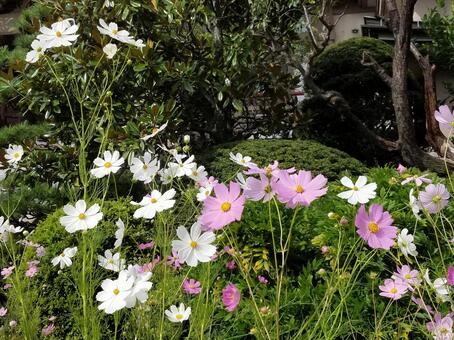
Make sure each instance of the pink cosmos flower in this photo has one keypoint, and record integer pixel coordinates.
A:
(450, 275)
(148, 245)
(419, 180)
(259, 189)
(148, 267)
(48, 330)
(191, 286)
(393, 289)
(32, 269)
(6, 272)
(229, 250)
(223, 209)
(376, 227)
(270, 171)
(407, 276)
(231, 297)
(441, 328)
(445, 119)
(421, 304)
(174, 260)
(3, 311)
(231, 265)
(299, 189)
(208, 181)
(401, 169)
(40, 251)
(7, 286)
(324, 250)
(262, 279)
(434, 198)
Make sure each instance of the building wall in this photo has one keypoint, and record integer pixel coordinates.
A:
(348, 23)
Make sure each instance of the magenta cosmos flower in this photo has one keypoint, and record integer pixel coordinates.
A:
(231, 297)
(191, 286)
(299, 189)
(376, 227)
(450, 276)
(259, 189)
(223, 209)
(393, 289)
(445, 118)
(434, 198)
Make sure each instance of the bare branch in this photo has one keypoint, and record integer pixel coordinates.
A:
(368, 60)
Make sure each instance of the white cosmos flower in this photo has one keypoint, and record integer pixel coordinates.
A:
(3, 173)
(61, 33)
(115, 293)
(183, 168)
(204, 192)
(179, 314)
(38, 49)
(139, 44)
(439, 285)
(119, 234)
(168, 174)
(414, 204)
(111, 262)
(112, 31)
(155, 131)
(194, 247)
(64, 259)
(153, 203)
(242, 181)
(78, 217)
(144, 170)
(198, 174)
(359, 192)
(405, 243)
(240, 160)
(110, 50)
(110, 164)
(6, 229)
(14, 153)
(141, 286)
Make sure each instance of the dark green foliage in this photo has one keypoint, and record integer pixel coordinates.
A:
(301, 154)
(339, 68)
(17, 134)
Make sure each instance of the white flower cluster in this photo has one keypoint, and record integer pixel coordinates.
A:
(63, 34)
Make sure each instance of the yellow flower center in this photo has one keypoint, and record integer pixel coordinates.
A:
(153, 200)
(268, 189)
(116, 291)
(373, 227)
(355, 188)
(107, 165)
(179, 316)
(299, 189)
(436, 199)
(195, 173)
(110, 261)
(452, 124)
(444, 330)
(243, 161)
(82, 216)
(145, 167)
(226, 206)
(16, 155)
(155, 129)
(58, 34)
(39, 49)
(207, 193)
(191, 286)
(193, 244)
(114, 32)
(268, 171)
(393, 290)
(408, 276)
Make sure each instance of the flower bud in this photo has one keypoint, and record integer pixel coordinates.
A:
(343, 221)
(186, 139)
(186, 148)
(332, 215)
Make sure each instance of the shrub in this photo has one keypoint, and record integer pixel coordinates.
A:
(16, 134)
(302, 154)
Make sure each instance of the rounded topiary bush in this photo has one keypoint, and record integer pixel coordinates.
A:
(301, 154)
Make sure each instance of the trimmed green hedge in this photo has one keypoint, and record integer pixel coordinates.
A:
(302, 154)
(16, 134)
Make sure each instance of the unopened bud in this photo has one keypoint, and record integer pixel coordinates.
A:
(186, 139)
